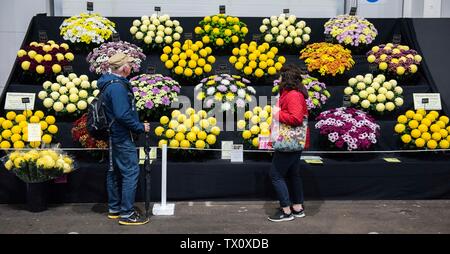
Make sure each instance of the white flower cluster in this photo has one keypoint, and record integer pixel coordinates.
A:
(285, 30)
(160, 30)
(87, 28)
(376, 94)
(69, 94)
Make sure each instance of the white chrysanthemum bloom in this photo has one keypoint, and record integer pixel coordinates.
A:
(225, 82)
(198, 87)
(241, 93)
(211, 91)
(226, 106)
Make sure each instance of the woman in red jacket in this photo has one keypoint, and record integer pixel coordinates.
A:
(291, 110)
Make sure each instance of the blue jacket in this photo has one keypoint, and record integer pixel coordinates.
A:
(120, 105)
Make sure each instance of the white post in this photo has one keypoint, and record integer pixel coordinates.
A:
(164, 208)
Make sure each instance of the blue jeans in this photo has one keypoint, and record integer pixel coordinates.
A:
(126, 163)
(287, 164)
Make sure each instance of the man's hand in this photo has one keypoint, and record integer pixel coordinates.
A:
(147, 127)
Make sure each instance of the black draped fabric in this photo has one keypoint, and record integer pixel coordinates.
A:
(340, 177)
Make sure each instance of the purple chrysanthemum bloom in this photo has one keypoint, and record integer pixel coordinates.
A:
(142, 93)
(166, 88)
(176, 89)
(149, 104)
(204, 80)
(245, 80)
(233, 88)
(135, 89)
(156, 90)
(165, 100)
(240, 103)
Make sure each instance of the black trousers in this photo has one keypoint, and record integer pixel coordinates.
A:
(286, 167)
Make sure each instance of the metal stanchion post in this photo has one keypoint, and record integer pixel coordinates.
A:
(163, 208)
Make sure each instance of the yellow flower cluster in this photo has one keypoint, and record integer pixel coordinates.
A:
(421, 129)
(257, 60)
(47, 160)
(189, 60)
(191, 129)
(14, 129)
(87, 28)
(257, 122)
(44, 57)
(327, 58)
(221, 30)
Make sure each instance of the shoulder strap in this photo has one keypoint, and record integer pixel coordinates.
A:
(115, 81)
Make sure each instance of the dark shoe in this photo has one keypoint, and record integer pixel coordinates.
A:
(299, 214)
(113, 216)
(281, 216)
(134, 220)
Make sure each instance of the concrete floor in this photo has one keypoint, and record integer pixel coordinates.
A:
(323, 217)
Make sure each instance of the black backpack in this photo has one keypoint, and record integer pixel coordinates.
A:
(97, 122)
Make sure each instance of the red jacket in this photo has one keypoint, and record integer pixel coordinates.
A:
(293, 109)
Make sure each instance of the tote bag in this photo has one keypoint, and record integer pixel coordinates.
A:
(286, 138)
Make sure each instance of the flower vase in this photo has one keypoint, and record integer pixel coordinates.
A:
(36, 197)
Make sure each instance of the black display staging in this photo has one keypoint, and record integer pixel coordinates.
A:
(418, 176)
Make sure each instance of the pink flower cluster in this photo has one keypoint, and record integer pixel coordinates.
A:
(348, 128)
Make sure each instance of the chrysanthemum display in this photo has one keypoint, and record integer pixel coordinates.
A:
(394, 58)
(317, 91)
(39, 166)
(351, 30)
(374, 94)
(285, 30)
(423, 130)
(44, 58)
(327, 58)
(230, 92)
(190, 129)
(348, 128)
(87, 28)
(68, 95)
(221, 30)
(191, 60)
(81, 135)
(257, 122)
(255, 60)
(154, 94)
(98, 58)
(14, 129)
(156, 31)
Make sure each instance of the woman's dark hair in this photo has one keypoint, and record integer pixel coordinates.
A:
(291, 79)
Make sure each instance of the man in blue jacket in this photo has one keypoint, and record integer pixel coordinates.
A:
(120, 109)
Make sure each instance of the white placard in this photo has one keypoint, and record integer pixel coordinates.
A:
(227, 146)
(237, 154)
(310, 158)
(34, 132)
(427, 101)
(13, 101)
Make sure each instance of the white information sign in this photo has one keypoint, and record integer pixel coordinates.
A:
(14, 101)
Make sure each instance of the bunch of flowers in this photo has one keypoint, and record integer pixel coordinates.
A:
(191, 129)
(98, 58)
(285, 30)
(348, 128)
(374, 94)
(87, 28)
(156, 31)
(14, 129)
(256, 122)
(317, 91)
(421, 129)
(191, 60)
(257, 60)
(221, 30)
(327, 58)
(154, 94)
(44, 58)
(39, 166)
(81, 135)
(69, 95)
(394, 58)
(228, 91)
(351, 30)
